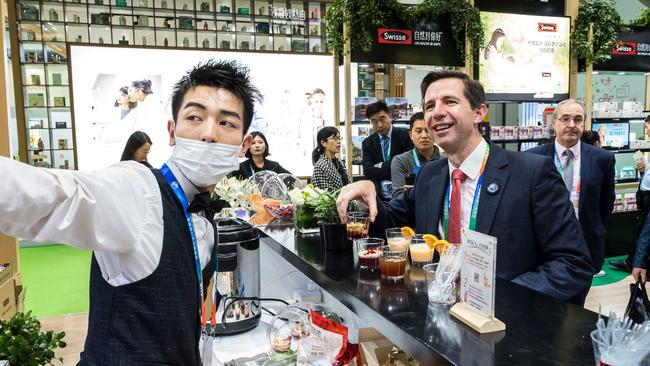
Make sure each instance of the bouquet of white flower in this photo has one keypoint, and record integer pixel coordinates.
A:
(235, 192)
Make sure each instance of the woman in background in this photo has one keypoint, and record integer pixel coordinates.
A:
(257, 160)
(137, 148)
(329, 171)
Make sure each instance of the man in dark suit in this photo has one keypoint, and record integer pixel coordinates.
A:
(522, 200)
(588, 174)
(379, 148)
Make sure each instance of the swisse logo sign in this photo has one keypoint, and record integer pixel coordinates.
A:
(546, 27)
(624, 48)
(394, 36)
(546, 74)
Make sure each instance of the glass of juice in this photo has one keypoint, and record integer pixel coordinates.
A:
(369, 252)
(392, 263)
(357, 225)
(396, 240)
(421, 253)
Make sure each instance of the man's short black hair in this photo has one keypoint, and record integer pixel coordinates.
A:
(473, 90)
(415, 117)
(229, 75)
(647, 119)
(375, 108)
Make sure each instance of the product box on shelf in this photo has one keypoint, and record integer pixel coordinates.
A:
(19, 292)
(398, 107)
(510, 133)
(360, 105)
(640, 144)
(5, 272)
(525, 132)
(629, 202)
(496, 133)
(538, 132)
(618, 203)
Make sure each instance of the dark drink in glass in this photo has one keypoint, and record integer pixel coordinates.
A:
(392, 263)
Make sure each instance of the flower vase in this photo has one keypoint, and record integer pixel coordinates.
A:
(304, 220)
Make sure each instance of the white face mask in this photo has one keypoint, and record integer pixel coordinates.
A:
(204, 163)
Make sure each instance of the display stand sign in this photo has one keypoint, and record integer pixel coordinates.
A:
(478, 270)
(632, 53)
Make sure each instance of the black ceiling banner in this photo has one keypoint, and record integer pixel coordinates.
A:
(531, 7)
(632, 53)
(428, 41)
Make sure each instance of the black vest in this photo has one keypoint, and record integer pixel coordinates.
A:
(156, 319)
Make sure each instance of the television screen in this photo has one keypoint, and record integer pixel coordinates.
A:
(525, 58)
(616, 134)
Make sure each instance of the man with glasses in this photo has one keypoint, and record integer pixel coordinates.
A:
(379, 148)
(588, 174)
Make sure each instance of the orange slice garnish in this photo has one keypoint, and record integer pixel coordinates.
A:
(441, 246)
(407, 232)
(255, 198)
(431, 240)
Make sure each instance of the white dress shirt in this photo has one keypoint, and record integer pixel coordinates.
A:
(575, 190)
(116, 212)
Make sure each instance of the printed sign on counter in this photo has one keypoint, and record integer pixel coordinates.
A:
(478, 271)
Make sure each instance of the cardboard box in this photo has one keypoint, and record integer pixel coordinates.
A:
(19, 292)
(6, 272)
(369, 341)
(7, 300)
(9, 252)
(510, 133)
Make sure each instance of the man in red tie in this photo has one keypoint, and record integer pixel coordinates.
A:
(518, 198)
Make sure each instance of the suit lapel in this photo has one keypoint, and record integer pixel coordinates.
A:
(439, 182)
(585, 171)
(497, 174)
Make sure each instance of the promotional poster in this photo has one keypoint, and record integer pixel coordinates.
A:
(525, 58)
(117, 91)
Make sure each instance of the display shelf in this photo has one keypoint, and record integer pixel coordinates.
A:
(621, 151)
(626, 180)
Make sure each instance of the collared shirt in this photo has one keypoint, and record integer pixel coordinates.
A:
(116, 212)
(645, 181)
(471, 167)
(575, 190)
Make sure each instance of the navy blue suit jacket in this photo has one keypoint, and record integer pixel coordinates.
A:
(372, 154)
(597, 194)
(540, 243)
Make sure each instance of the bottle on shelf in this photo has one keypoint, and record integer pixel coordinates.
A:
(206, 43)
(166, 42)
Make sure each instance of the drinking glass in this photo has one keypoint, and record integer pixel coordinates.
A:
(368, 250)
(396, 240)
(441, 285)
(357, 225)
(421, 254)
(392, 263)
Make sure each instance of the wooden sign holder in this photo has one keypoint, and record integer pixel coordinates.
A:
(475, 319)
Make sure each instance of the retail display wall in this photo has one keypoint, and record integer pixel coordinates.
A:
(284, 116)
(43, 29)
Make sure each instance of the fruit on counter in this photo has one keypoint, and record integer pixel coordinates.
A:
(407, 232)
(279, 210)
(431, 240)
(281, 344)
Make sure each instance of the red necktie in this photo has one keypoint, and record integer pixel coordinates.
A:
(457, 177)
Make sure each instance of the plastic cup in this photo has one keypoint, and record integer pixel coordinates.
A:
(357, 225)
(396, 240)
(368, 250)
(441, 289)
(392, 263)
(606, 354)
(421, 254)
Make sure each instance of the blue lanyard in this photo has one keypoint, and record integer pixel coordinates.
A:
(176, 187)
(415, 157)
(558, 163)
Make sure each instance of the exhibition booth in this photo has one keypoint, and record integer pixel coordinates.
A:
(73, 60)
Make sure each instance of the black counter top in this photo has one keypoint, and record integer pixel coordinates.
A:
(540, 330)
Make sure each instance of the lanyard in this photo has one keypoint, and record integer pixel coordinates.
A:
(415, 157)
(477, 195)
(178, 191)
(560, 169)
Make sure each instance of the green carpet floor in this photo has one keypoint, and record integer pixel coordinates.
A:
(612, 274)
(56, 278)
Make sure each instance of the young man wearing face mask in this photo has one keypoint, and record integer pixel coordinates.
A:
(149, 252)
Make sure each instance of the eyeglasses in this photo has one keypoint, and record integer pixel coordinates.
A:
(578, 120)
(335, 138)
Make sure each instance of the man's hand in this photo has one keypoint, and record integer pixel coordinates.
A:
(363, 190)
(378, 165)
(640, 167)
(639, 272)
